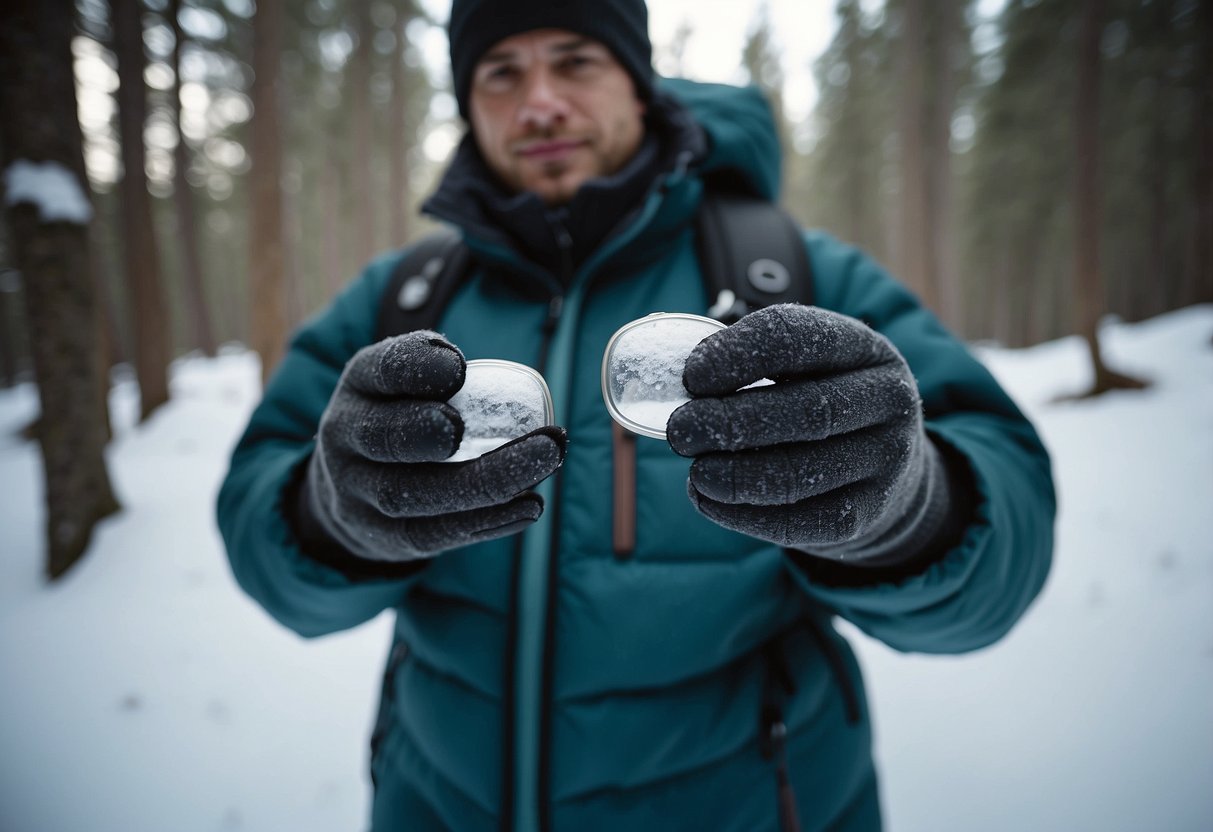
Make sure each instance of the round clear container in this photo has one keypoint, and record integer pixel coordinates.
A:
(642, 368)
(499, 401)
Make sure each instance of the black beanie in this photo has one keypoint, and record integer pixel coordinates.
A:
(620, 25)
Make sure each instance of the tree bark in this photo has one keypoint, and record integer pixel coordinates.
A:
(10, 288)
(334, 277)
(268, 321)
(947, 17)
(51, 250)
(401, 142)
(202, 330)
(1202, 269)
(360, 124)
(1089, 291)
(915, 229)
(149, 314)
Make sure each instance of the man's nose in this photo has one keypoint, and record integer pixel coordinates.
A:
(543, 106)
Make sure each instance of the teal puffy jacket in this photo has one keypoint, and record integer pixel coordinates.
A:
(541, 681)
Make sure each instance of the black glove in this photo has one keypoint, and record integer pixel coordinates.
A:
(832, 458)
(375, 484)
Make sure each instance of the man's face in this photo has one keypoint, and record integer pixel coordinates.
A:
(551, 109)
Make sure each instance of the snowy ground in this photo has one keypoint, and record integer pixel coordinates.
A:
(143, 693)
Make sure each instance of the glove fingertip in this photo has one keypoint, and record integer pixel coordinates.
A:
(695, 497)
(517, 515)
(558, 435)
(531, 506)
(456, 427)
(422, 364)
(700, 375)
(684, 432)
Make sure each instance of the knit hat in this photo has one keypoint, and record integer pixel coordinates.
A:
(620, 25)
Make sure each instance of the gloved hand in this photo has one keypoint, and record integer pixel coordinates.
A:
(375, 483)
(832, 458)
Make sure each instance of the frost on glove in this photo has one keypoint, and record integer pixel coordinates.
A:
(376, 487)
(831, 459)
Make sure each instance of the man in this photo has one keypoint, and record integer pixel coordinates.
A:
(540, 679)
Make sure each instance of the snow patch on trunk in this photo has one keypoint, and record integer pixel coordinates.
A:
(53, 189)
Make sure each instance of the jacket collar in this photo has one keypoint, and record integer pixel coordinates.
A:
(520, 229)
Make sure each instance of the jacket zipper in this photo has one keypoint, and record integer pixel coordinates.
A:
(533, 631)
(515, 783)
(544, 791)
(777, 686)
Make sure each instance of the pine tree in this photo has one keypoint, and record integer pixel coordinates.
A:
(42, 156)
(1089, 288)
(850, 166)
(148, 309)
(198, 313)
(268, 308)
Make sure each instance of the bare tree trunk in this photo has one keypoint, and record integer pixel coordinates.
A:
(293, 284)
(333, 276)
(999, 311)
(267, 321)
(1201, 290)
(107, 328)
(948, 20)
(1089, 291)
(50, 240)
(1157, 290)
(915, 231)
(103, 275)
(202, 331)
(149, 314)
(401, 141)
(360, 123)
(10, 288)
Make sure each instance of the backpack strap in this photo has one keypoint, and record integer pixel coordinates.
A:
(422, 284)
(752, 254)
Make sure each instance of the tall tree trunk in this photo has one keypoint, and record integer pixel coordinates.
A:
(103, 272)
(202, 331)
(915, 231)
(360, 124)
(50, 240)
(10, 289)
(1201, 290)
(334, 277)
(267, 322)
(107, 328)
(948, 25)
(149, 314)
(1089, 291)
(398, 172)
(1160, 259)
(294, 284)
(294, 288)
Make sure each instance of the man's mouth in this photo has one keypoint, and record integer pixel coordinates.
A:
(547, 150)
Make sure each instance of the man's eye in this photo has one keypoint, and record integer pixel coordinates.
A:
(498, 76)
(572, 63)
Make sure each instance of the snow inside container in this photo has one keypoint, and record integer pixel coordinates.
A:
(642, 369)
(499, 401)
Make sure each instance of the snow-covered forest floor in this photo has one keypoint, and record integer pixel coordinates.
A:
(144, 693)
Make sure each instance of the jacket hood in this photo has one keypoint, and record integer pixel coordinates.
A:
(743, 145)
(698, 135)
